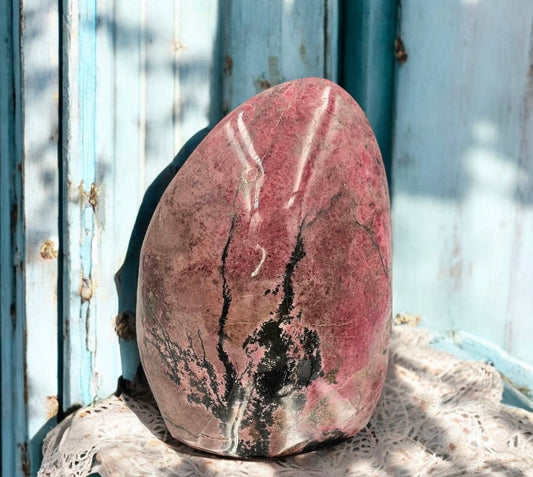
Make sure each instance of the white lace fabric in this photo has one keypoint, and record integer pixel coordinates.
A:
(437, 416)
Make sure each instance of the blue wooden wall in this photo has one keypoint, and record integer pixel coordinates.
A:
(462, 172)
(97, 96)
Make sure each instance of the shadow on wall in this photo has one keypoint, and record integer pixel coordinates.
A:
(191, 72)
(463, 120)
(462, 169)
(126, 277)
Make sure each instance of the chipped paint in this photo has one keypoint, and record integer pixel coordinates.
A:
(48, 250)
(52, 406)
(261, 83)
(93, 196)
(86, 289)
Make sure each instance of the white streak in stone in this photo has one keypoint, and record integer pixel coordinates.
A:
(236, 420)
(244, 154)
(248, 142)
(246, 166)
(263, 257)
(308, 142)
(249, 145)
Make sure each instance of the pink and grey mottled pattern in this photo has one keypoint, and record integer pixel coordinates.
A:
(265, 284)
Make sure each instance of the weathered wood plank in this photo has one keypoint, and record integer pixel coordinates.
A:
(126, 181)
(40, 82)
(138, 83)
(368, 30)
(175, 59)
(80, 382)
(462, 175)
(14, 435)
(274, 42)
(198, 63)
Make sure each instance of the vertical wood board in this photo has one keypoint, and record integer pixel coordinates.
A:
(14, 433)
(462, 171)
(80, 199)
(276, 41)
(137, 82)
(40, 76)
(368, 30)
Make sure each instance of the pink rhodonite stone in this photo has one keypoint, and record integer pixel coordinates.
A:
(264, 295)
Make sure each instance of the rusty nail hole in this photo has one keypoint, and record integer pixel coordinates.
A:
(399, 51)
(48, 250)
(228, 64)
(263, 84)
(93, 196)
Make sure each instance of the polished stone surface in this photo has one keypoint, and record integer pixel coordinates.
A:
(264, 293)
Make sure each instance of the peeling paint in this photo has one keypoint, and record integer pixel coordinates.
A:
(86, 289)
(48, 250)
(90, 196)
(93, 196)
(24, 458)
(52, 406)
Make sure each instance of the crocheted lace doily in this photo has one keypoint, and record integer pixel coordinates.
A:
(437, 416)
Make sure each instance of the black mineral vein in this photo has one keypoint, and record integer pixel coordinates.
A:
(226, 303)
(290, 361)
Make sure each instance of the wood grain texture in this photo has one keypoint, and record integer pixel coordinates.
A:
(275, 42)
(40, 83)
(462, 174)
(367, 30)
(12, 345)
(80, 202)
(137, 84)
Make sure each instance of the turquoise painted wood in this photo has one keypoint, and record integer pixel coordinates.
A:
(40, 86)
(463, 169)
(276, 41)
(137, 83)
(171, 73)
(13, 385)
(29, 231)
(367, 34)
(517, 375)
